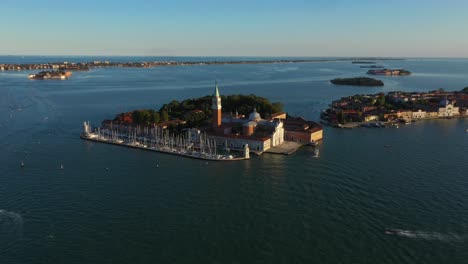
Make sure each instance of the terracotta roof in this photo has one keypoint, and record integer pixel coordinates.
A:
(277, 114)
(253, 138)
(299, 124)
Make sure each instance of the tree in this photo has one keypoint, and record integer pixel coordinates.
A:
(276, 107)
(146, 117)
(465, 90)
(136, 116)
(156, 117)
(186, 109)
(164, 116)
(381, 100)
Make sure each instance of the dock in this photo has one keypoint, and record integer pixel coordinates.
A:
(286, 148)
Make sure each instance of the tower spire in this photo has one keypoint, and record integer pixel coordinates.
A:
(216, 93)
(216, 106)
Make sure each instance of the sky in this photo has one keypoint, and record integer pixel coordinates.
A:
(320, 28)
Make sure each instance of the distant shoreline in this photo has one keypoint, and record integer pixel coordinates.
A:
(149, 64)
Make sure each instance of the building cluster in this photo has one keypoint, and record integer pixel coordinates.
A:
(58, 66)
(52, 75)
(401, 106)
(81, 66)
(389, 72)
(234, 131)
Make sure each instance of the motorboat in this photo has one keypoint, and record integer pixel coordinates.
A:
(316, 153)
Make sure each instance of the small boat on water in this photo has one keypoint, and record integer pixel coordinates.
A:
(316, 153)
(22, 164)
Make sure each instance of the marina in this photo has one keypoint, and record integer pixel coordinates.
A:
(191, 145)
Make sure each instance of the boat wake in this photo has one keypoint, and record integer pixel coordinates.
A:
(11, 226)
(448, 237)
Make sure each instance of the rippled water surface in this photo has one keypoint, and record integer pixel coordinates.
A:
(358, 203)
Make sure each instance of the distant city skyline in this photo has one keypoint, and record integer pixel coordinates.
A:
(337, 28)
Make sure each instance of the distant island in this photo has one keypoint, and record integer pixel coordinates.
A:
(390, 72)
(373, 109)
(357, 81)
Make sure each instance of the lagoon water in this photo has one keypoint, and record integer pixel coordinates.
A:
(270, 209)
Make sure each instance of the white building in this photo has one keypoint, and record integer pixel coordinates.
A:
(419, 114)
(448, 109)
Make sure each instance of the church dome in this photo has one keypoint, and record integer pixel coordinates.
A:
(444, 102)
(254, 115)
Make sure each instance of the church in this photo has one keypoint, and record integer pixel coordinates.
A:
(235, 131)
(447, 108)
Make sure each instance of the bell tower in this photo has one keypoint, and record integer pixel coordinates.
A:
(216, 107)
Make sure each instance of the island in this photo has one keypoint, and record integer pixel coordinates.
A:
(358, 81)
(377, 110)
(211, 127)
(50, 75)
(390, 72)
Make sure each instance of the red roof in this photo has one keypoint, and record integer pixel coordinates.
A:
(214, 133)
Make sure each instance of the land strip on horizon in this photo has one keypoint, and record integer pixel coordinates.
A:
(83, 66)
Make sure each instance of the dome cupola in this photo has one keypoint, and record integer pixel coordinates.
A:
(254, 116)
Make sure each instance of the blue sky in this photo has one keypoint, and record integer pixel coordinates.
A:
(235, 28)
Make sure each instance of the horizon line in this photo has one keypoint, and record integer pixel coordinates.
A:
(234, 56)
